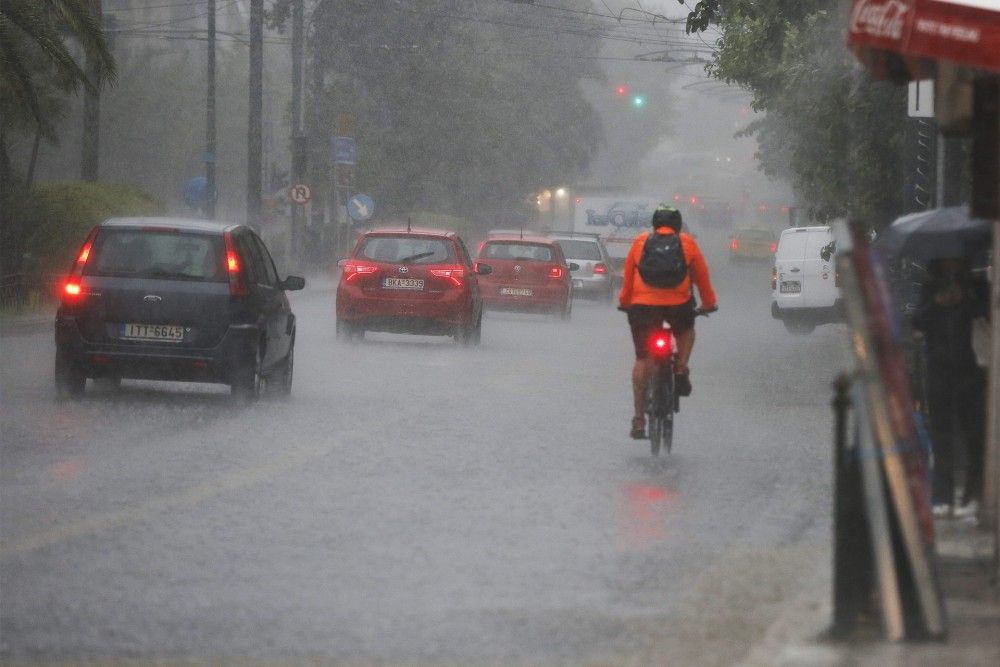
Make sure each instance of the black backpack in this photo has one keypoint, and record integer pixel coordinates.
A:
(663, 263)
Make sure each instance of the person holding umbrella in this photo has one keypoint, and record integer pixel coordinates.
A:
(956, 385)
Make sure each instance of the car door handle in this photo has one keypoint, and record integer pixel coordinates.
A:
(795, 270)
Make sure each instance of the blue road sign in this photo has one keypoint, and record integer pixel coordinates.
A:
(360, 207)
(345, 150)
(196, 192)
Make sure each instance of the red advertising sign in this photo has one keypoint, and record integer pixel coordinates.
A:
(966, 32)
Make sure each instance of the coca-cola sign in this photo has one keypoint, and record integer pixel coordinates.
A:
(882, 19)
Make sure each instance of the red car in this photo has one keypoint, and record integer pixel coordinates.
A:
(410, 281)
(527, 273)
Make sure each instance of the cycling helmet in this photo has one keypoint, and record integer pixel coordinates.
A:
(667, 216)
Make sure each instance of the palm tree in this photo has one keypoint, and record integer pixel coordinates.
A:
(34, 56)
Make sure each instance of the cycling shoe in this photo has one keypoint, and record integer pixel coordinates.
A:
(638, 428)
(682, 382)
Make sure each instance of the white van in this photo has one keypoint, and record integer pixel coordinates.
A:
(804, 284)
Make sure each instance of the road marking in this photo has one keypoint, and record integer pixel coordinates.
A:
(190, 497)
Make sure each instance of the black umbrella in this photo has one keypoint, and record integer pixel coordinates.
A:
(937, 233)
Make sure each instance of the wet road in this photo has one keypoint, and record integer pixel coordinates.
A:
(423, 503)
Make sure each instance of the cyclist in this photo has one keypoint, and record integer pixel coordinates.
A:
(648, 307)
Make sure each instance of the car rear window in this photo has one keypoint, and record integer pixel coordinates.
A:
(407, 250)
(143, 253)
(519, 251)
(574, 249)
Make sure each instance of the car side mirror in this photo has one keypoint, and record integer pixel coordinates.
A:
(482, 269)
(293, 283)
(573, 266)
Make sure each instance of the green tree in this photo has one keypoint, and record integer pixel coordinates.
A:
(458, 108)
(835, 134)
(36, 63)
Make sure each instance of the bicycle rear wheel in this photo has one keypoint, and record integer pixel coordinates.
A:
(668, 399)
(654, 412)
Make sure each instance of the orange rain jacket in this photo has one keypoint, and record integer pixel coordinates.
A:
(635, 291)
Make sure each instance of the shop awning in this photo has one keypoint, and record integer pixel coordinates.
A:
(900, 38)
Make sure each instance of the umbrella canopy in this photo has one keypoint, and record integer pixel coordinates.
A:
(937, 233)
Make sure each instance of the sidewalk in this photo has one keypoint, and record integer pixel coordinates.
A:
(972, 599)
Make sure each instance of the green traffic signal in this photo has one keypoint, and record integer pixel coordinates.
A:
(638, 101)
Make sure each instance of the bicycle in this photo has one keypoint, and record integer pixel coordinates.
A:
(662, 400)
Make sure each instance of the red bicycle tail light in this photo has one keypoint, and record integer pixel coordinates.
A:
(452, 274)
(734, 244)
(661, 344)
(237, 285)
(774, 247)
(556, 272)
(600, 269)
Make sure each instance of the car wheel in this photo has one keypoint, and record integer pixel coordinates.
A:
(476, 334)
(798, 327)
(566, 312)
(248, 380)
(279, 382)
(349, 332)
(69, 377)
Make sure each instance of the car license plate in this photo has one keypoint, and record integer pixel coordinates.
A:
(163, 332)
(791, 287)
(516, 291)
(403, 283)
(577, 283)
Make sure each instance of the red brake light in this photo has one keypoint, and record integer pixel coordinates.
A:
(734, 244)
(72, 289)
(661, 344)
(453, 274)
(353, 269)
(556, 272)
(600, 268)
(84, 253)
(774, 247)
(237, 286)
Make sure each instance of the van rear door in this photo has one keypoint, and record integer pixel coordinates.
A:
(789, 266)
(819, 287)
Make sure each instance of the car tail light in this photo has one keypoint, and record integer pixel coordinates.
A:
(234, 268)
(481, 246)
(556, 272)
(453, 274)
(774, 278)
(774, 248)
(661, 344)
(734, 244)
(72, 289)
(353, 269)
(600, 269)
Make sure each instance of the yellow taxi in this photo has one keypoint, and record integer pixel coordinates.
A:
(752, 244)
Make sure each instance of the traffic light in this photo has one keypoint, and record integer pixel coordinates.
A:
(621, 91)
(639, 101)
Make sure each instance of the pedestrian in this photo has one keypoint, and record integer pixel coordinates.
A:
(956, 385)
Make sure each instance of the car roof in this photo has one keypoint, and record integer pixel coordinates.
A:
(517, 238)
(412, 231)
(186, 224)
(794, 230)
(575, 236)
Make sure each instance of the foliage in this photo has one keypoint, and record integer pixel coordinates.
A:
(53, 219)
(36, 63)
(454, 109)
(836, 135)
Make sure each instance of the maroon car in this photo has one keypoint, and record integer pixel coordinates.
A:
(528, 273)
(410, 281)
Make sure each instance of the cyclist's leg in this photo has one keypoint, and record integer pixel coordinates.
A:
(641, 323)
(685, 344)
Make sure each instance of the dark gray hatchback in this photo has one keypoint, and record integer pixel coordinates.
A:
(175, 299)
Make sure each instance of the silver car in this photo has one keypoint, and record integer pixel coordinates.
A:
(594, 278)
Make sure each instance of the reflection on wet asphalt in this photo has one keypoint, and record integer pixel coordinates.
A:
(419, 501)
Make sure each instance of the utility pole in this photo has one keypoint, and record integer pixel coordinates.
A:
(299, 144)
(91, 145)
(255, 113)
(210, 117)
